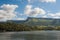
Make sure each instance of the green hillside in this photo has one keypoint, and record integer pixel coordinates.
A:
(42, 21)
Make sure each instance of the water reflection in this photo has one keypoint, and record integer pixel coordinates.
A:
(30, 36)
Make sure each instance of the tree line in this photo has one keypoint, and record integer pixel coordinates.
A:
(10, 26)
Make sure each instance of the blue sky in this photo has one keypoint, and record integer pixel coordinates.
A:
(22, 9)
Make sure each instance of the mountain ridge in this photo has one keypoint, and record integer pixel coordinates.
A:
(32, 21)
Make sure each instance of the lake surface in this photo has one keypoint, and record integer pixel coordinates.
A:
(31, 35)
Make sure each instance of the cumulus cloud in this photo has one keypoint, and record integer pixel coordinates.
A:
(7, 12)
(9, 8)
(29, 11)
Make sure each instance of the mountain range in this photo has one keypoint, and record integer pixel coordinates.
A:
(38, 21)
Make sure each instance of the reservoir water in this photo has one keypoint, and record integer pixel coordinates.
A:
(31, 35)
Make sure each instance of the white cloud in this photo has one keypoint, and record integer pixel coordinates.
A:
(44, 16)
(54, 15)
(7, 12)
(9, 8)
(35, 12)
(48, 1)
(32, 1)
(20, 18)
(51, 14)
(29, 0)
(29, 11)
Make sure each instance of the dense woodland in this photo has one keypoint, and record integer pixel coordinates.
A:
(9, 26)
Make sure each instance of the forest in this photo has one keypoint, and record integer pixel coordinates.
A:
(10, 26)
